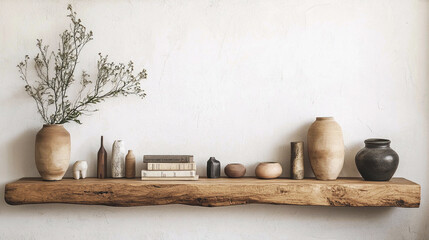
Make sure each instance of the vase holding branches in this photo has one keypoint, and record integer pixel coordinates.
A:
(53, 148)
(51, 89)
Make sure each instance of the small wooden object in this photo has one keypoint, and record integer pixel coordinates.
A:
(297, 160)
(102, 161)
(130, 165)
(345, 192)
(235, 170)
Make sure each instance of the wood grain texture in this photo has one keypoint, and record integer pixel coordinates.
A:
(351, 192)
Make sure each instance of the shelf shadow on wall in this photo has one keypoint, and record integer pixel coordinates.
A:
(20, 157)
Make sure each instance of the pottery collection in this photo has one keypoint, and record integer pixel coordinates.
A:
(326, 148)
(52, 152)
(235, 170)
(213, 168)
(268, 170)
(118, 159)
(377, 161)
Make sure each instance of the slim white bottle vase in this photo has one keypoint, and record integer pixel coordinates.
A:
(118, 159)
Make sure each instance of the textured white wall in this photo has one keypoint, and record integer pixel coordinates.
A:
(237, 80)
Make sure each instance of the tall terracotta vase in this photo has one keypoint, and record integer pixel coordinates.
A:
(326, 148)
(53, 146)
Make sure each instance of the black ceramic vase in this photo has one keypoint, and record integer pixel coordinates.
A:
(377, 161)
(213, 168)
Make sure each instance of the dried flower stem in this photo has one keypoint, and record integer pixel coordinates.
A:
(51, 92)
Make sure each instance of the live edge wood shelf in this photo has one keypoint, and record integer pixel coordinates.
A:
(351, 192)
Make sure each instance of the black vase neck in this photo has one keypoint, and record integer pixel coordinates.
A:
(213, 159)
(377, 143)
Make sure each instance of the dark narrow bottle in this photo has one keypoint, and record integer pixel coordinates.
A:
(213, 168)
(102, 161)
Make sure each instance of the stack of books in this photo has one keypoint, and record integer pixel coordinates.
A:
(169, 167)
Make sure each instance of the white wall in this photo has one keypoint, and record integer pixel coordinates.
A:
(238, 80)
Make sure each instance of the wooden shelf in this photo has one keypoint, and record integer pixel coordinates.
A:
(351, 192)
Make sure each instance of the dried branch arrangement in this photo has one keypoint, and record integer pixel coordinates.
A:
(55, 76)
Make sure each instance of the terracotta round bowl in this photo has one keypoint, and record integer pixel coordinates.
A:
(268, 170)
(235, 170)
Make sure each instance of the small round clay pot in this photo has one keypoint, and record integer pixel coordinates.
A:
(268, 170)
(235, 170)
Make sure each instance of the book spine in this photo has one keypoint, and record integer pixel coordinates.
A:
(166, 174)
(194, 178)
(168, 159)
(171, 166)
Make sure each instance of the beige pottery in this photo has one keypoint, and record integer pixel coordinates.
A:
(52, 151)
(326, 148)
(268, 170)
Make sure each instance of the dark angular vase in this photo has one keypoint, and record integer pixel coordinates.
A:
(377, 161)
(213, 168)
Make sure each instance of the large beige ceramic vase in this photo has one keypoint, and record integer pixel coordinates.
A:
(326, 148)
(52, 152)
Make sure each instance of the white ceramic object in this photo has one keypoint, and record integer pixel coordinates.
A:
(118, 159)
(79, 169)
